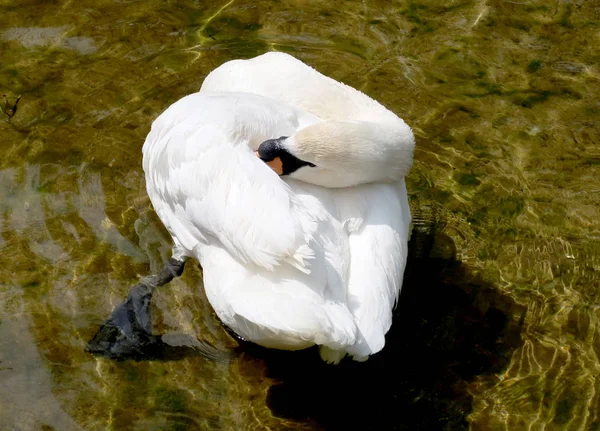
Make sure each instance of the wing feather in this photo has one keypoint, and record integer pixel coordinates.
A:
(204, 180)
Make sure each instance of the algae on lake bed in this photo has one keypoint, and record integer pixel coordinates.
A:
(498, 323)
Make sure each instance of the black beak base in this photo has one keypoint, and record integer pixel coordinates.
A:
(271, 149)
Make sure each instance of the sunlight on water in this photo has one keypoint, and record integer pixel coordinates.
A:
(498, 326)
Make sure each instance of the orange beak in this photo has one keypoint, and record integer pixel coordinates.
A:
(275, 164)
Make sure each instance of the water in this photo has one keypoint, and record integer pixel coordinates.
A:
(498, 325)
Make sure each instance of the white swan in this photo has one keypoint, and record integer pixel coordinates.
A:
(317, 258)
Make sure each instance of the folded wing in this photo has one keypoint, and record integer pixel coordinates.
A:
(203, 184)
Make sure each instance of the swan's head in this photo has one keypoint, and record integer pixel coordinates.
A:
(342, 154)
(300, 159)
(279, 158)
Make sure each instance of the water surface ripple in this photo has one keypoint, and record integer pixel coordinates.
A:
(498, 326)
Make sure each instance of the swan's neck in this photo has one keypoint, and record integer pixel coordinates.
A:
(347, 153)
(283, 77)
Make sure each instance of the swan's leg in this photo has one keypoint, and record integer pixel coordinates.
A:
(128, 331)
(173, 268)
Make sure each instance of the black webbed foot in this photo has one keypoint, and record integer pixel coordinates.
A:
(127, 333)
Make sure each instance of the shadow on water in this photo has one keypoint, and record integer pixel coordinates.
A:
(449, 327)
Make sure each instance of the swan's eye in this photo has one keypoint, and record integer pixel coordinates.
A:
(278, 158)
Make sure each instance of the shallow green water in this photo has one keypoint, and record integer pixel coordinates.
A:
(498, 326)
